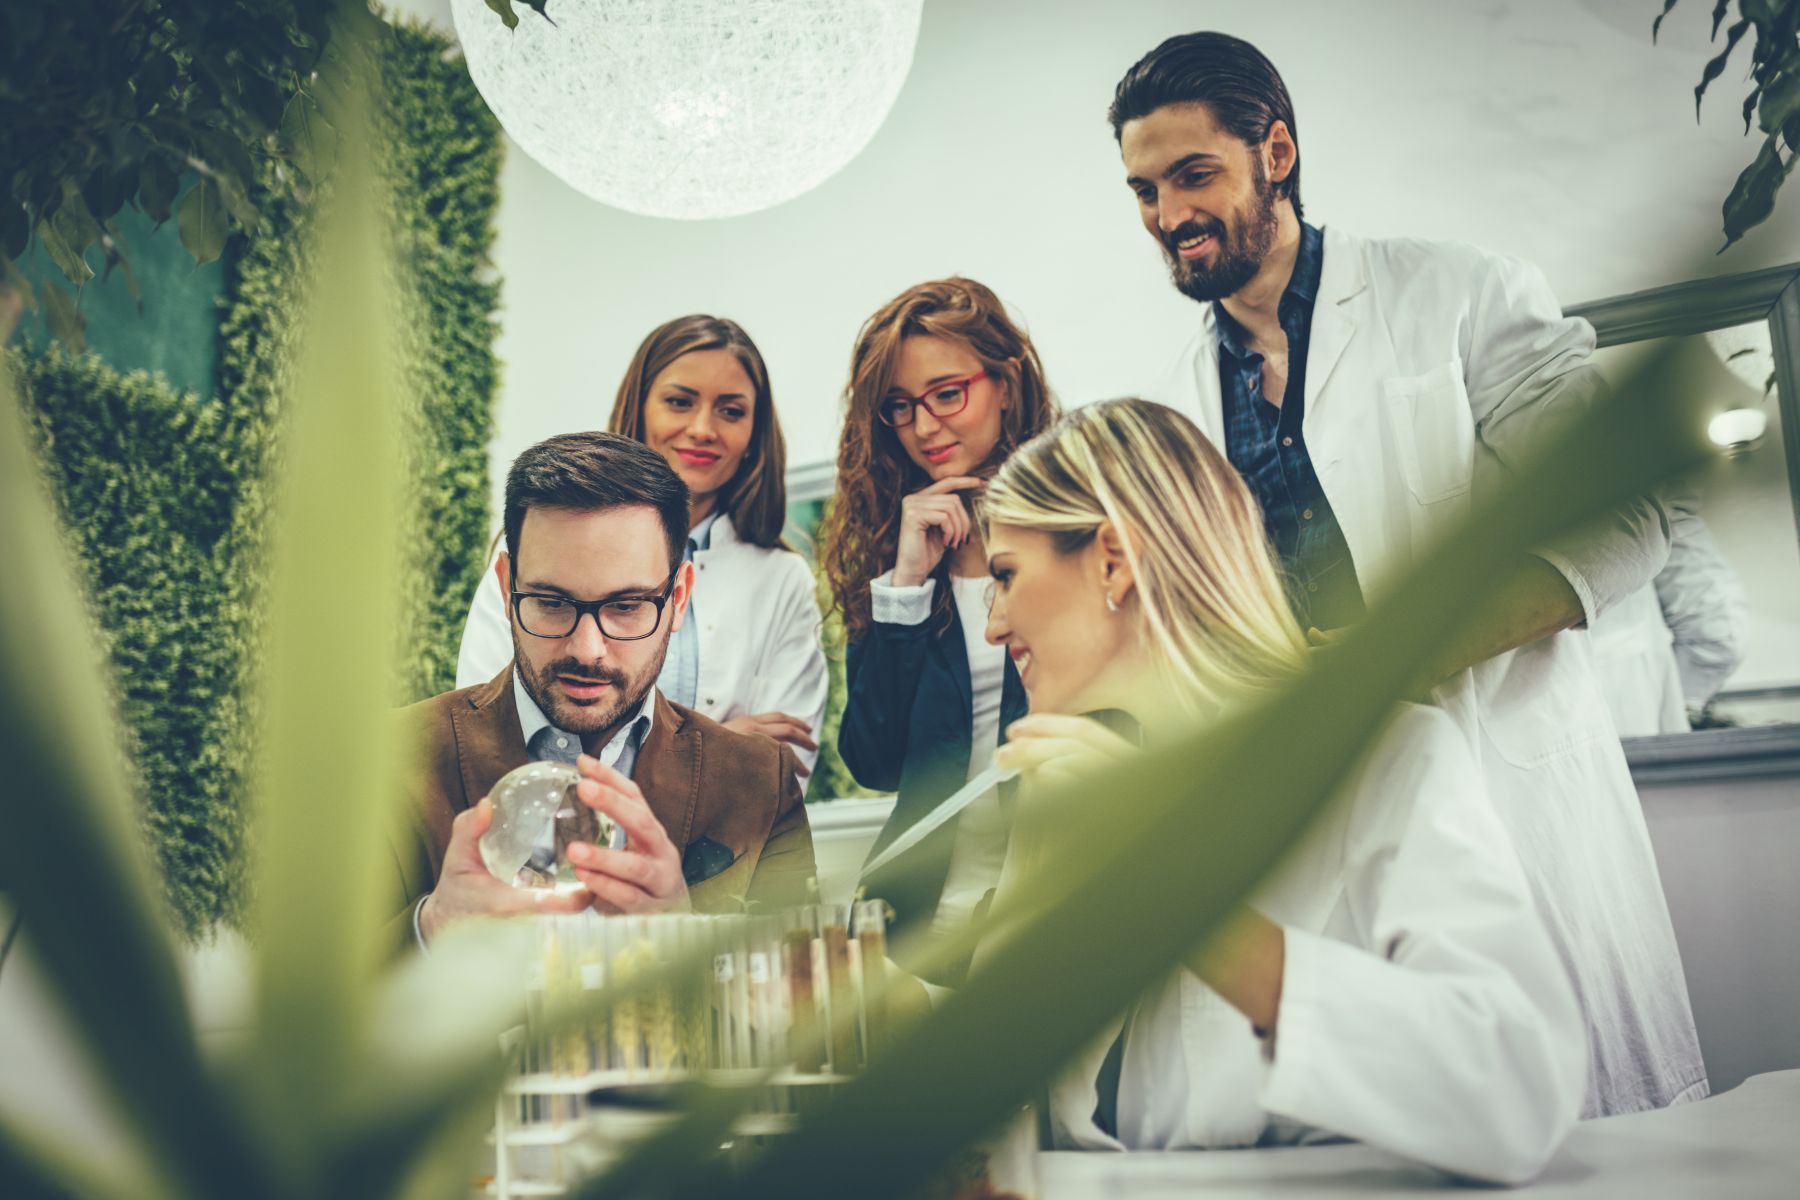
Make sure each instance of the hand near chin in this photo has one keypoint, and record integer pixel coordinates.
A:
(1050, 748)
(933, 520)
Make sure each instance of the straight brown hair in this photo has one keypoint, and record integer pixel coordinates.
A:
(755, 498)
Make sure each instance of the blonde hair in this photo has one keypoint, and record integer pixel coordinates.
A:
(1207, 582)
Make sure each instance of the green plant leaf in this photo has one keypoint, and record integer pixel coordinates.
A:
(1716, 65)
(63, 317)
(1656, 25)
(103, 947)
(157, 187)
(73, 218)
(232, 169)
(1750, 102)
(332, 772)
(505, 9)
(36, 1160)
(69, 259)
(1752, 197)
(310, 140)
(201, 221)
(15, 229)
(1780, 104)
(1719, 13)
(118, 259)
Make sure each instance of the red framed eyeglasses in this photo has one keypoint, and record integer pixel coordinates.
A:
(943, 399)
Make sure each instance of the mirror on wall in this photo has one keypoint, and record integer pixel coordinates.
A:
(1701, 669)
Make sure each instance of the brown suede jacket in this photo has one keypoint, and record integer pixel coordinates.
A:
(700, 779)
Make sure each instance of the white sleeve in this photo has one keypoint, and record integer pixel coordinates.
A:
(1450, 1034)
(1704, 606)
(487, 634)
(891, 604)
(1531, 378)
(793, 677)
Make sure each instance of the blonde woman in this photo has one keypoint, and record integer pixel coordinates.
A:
(1392, 982)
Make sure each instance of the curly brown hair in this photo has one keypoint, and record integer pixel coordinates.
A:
(860, 535)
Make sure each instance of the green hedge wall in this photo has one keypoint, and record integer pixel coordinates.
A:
(445, 161)
(148, 480)
(163, 491)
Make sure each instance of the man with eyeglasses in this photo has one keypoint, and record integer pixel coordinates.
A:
(596, 583)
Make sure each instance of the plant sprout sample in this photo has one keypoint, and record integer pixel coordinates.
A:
(537, 816)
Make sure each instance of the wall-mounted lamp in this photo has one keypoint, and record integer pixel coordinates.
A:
(1737, 430)
(1748, 352)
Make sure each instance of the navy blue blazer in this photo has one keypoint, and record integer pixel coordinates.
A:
(907, 728)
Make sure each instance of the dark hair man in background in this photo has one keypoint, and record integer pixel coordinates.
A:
(1369, 390)
(595, 528)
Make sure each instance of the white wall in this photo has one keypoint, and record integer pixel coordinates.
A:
(1727, 852)
(1545, 129)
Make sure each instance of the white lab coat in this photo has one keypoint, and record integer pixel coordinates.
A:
(1634, 660)
(1704, 605)
(1434, 368)
(1423, 1008)
(759, 633)
(1668, 647)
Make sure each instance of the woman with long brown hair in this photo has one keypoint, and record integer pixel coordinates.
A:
(747, 655)
(943, 385)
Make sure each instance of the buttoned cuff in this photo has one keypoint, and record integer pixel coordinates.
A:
(1302, 1035)
(418, 933)
(891, 605)
(1564, 566)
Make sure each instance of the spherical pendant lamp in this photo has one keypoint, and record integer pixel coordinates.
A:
(692, 108)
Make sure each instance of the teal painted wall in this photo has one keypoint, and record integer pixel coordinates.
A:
(176, 334)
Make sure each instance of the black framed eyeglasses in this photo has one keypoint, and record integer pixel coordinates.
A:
(626, 619)
(944, 399)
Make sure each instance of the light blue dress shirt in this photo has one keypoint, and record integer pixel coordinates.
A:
(680, 678)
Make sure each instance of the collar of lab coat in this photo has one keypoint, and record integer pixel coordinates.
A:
(1342, 279)
(722, 535)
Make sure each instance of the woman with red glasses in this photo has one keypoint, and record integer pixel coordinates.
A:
(943, 385)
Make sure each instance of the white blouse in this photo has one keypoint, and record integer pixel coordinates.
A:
(981, 830)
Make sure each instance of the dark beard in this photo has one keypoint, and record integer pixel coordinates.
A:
(586, 720)
(1239, 256)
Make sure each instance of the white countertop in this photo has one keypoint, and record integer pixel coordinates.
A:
(1744, 1143)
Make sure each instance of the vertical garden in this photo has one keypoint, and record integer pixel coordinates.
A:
(162, 479)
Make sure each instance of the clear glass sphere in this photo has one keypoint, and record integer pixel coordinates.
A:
(537, 816)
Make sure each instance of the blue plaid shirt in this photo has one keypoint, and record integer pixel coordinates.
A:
(1266, 445)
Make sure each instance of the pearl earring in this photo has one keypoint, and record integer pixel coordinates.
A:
(1111, 604)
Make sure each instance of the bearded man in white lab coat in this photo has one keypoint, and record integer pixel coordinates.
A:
(1369, 391)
